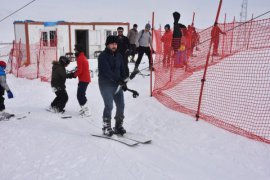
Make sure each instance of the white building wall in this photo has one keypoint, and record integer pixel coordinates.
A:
(113, 28)
(35, 33)
(97, 37)
(94, 42)
(62, 40)
(20, 33)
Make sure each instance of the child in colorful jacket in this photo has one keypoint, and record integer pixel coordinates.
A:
(3, 87)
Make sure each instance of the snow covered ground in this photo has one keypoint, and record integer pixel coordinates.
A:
(43, 146)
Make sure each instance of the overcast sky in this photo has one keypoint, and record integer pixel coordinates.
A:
(135, 11)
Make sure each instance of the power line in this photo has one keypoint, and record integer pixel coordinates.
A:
(17, 11)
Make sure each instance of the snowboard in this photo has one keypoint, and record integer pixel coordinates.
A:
(63, 116)
(117, 138)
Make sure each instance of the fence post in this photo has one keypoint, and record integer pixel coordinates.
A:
(18, 58)
(152, 61)
(38, 58)
(249, 32)
(11, 58)
(232, 35)
(205, 68)
(223, 37)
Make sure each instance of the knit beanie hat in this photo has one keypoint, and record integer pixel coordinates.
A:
(148, 26)
(111, 39)
(3, 64)
(167, 26)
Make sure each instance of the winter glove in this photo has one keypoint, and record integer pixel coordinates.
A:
(135, 94)
(71, 75)
(123, 84)
(9, 94)
(128, 52)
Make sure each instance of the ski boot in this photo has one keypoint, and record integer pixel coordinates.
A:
(119, 129)
(85, 112)
(107, 130)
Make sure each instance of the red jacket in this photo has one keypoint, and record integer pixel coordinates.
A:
(215, 33)
(167, 39)
(83, 68)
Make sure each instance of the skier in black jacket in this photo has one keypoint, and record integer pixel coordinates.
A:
(58, 84)
(123, 47)
(177, 34)
(111, 75)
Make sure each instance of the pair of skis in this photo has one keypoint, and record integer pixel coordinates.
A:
(128, 139)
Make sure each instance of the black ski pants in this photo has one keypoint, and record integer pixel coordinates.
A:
(60, 100)
(141, 51)
(81, 92)
(2, 99)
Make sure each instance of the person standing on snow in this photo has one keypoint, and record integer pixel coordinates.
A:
(167, 41)
(177, 31)
(132, 35)
(111, 75)
(215, 38)
(123, 48)
(3, 87)
(58, 85)
(83, 74)
(144, 44)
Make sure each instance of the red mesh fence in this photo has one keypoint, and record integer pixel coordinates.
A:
(236, 92)
(37, 64)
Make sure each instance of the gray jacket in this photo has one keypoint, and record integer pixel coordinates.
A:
(132, 34)
(144, 39)
(3, 83)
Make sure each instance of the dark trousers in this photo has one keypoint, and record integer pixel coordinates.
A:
(2, 99)
(60, 100)
(133, 50)
(81, 92)
(125, 60)
(141, 51)
(109, 96)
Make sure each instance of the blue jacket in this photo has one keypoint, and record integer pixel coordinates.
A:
(110, 68)
(3, 82)
(2, 71)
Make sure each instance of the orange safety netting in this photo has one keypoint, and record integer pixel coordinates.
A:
(236, 91)
(37, 64)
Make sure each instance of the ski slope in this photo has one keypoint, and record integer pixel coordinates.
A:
(43, 146)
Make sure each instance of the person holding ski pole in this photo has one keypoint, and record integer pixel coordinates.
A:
(111, 75)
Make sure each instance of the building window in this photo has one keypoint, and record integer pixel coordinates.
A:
(44, 39)
(53, 39)
(108, 33)
(115, 33)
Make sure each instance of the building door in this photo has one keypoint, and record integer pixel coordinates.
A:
(82, 37)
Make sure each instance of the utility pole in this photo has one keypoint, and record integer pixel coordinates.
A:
(243, 13)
